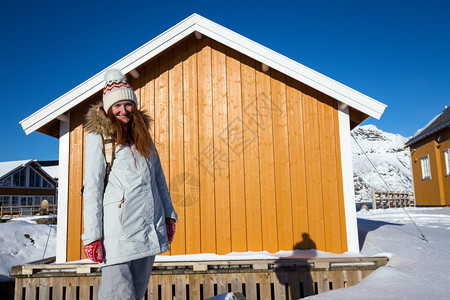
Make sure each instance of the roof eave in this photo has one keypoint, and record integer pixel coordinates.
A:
(17, 168)
(424, 136)
(223, 35)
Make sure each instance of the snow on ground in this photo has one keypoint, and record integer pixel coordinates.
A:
(416, 270)
(22, 241)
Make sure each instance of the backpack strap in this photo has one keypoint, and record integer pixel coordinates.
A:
(109, 148)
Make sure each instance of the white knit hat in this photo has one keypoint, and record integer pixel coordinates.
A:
(116, 89)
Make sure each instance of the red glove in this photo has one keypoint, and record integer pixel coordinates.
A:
(94, 251)
(170, 227)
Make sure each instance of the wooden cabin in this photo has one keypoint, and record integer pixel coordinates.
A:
(255, 146)
(430, 160)
(25, 183)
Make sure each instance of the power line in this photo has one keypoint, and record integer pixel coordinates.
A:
(389, 188)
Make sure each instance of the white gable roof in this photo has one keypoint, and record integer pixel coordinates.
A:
(8, 167)
(223, 35)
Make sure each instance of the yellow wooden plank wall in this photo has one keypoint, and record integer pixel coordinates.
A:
(252, 176)
(436, 190)
(205, 143)
(251, 157)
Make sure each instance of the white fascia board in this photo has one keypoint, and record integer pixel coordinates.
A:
(95, 83)
(292, 68)
(14, 166)
(223, 35)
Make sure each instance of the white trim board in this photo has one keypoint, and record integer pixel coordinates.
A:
(223, 35)
(347, 179)
(63, 189)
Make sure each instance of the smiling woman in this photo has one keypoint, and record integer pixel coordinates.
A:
(128, 212)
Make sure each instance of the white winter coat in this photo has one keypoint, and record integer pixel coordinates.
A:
(130, 215)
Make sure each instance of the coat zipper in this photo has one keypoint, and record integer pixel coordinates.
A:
(122, 203)
(132, 154)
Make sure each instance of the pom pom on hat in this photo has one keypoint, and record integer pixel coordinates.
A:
(114, 75)
(116, 89)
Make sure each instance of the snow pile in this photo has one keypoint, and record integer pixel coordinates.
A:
(385, 150)
(24, 241)
(417, 269)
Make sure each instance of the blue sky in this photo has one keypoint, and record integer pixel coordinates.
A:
(397, 52)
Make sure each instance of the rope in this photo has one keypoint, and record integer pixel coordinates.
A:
(389, 188)
(48, 237)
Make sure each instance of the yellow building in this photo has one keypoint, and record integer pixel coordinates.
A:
(255, 146)
(430, 160)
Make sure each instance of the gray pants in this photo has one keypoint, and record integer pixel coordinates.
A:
(126, 281)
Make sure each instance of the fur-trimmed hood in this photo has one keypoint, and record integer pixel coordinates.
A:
(97, 121)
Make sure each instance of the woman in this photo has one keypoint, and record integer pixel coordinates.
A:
(131, 219)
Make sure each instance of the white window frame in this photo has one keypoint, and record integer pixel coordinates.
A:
(447, 161)
(36, 199)
(426, 168)
(5, 202)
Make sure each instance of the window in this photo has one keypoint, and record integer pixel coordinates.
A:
(46, 184)
(447, 161)
(32, 178)
(19, 178)
(4, 201)
(426, 172)
(35, 179)
(6, 181)
(22, 200)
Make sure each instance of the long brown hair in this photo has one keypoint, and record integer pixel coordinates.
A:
(134, 132)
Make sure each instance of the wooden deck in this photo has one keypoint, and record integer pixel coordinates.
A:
(256, 279)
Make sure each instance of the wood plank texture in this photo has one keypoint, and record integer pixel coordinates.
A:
(329, 172)
(282, 161)
(176, 137)
(313, 169)
(251, 155)
(220, 150)
(74, 218)
(191, 164)
(206, 150)
(266, 162)
(285, 282)
(297, 164)
(236, 146)
(252, 158)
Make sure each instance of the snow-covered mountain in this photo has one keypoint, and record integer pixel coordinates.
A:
(385, 151)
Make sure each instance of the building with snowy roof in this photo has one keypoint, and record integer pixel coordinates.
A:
(430, 161)
(25, 182)
(255, 146)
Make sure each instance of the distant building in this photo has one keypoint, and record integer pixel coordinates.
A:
(430, 161)
(25, 182)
